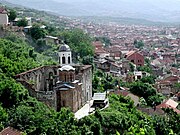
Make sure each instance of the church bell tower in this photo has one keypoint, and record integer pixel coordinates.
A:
(65, 57)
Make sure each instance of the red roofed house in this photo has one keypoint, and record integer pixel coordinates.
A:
(115, 51)
(99, 49)
(169, 104)
(135, 57)
(3, 16)
(165, 86)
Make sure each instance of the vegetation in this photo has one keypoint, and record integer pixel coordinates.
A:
(79, 42)
(105, 40)
(147, 91)
(22, 22)
(37, 32)
(12, 15)
(102, 82)
(121, 117)
(138, 44)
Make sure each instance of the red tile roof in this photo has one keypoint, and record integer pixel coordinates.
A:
(3, 11)
(169, 104)
(10, 131)
(118, 92)
(98, 47)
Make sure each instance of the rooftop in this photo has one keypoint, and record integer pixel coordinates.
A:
(66, 68)
(64, 48)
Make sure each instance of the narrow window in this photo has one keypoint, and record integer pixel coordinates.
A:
(63, 60)
(69, 60)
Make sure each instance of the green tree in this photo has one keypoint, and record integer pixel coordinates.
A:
(142, 89)
(12, 15)
(139, 44)
(11, 93)
(3, 118)
(104, 40)
(167, 124)
(156, 99)
(22, 23)
(79, 42)
(37, 32)
(148, 79)
(145, 68)
(132, 67)
(87, 60)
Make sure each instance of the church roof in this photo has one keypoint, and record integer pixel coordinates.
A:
(66, 68)
(64, 48)
(68, 86)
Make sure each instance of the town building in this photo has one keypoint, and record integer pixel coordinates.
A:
(135, 57)
(3, 16)
(63, 85)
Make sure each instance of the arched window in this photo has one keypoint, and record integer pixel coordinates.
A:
(69, 60)
(63, 60)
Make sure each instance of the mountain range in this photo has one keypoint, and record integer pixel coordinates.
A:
(154, 10)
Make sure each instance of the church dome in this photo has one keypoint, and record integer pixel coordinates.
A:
(64, 48)
(66, 68)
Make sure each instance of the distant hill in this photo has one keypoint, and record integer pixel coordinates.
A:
(154, 10)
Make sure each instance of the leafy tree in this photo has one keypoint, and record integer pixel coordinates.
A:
(79, 42)
(11, 93)
(146, 91)
(99, 73)
(135, 41)
(95, 82)
(104, 40)
(148, 79)
(156, 99)
(37, 32)
(12, 15)
(142, 89)
(177, 87)
(145, 68)
(139, 44)
(3, 118)
(87, 60)
(132, 67)
(167, 124)
(22, 23)
(142, 101)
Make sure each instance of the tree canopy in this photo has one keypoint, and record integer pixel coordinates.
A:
(79, 42)
(22, 22)
(37, 32)
(12, 15)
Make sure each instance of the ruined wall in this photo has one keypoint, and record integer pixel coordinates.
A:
(39, 81)
(3, 19)
(39, 77)
(86, 83)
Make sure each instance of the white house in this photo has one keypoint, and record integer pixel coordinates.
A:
(3, 16)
